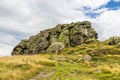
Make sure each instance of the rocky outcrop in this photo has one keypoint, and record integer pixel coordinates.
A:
(68, 34)
(114, 40)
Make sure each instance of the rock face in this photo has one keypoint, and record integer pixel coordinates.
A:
(67, 34)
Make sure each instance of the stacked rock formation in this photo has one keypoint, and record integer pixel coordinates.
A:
(67, 34)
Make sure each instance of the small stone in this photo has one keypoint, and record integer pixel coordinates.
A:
(87, 58)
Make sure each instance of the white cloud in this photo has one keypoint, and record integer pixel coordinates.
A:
(117, 0)
(20, 19)
(93, 4)
(6, 42)
(108, 24)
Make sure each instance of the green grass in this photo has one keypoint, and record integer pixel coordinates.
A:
(102, 68)
(94, 48)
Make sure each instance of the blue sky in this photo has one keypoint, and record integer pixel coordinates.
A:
(19, 19)
(111, 5)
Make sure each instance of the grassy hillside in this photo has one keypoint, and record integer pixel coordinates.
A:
(67, 65)
(93, 48)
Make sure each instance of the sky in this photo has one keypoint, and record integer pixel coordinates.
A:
(19, 19)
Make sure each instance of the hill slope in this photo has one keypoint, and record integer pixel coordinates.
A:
(93, 60)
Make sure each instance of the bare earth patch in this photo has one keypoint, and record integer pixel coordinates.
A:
(44, 74)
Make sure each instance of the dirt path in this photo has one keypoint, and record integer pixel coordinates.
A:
(44, 74)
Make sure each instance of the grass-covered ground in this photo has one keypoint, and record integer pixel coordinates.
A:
(67, 65)
(27, 67)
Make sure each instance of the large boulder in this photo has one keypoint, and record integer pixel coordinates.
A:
(72, 34)
(56, 47)
(114, 40)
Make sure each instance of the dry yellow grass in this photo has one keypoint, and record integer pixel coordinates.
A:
(22, 67)
(112, 69)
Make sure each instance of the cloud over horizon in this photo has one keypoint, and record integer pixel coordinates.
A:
(19, 19)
